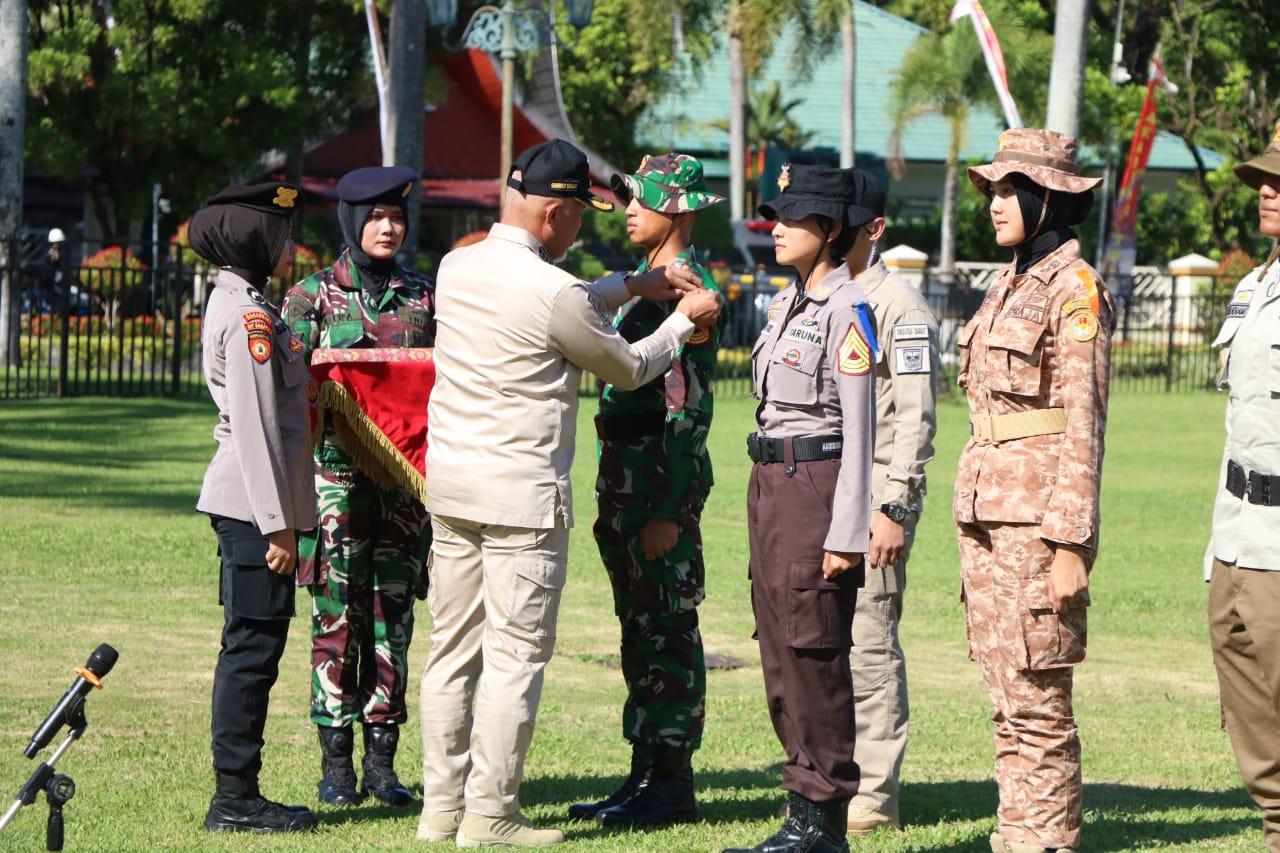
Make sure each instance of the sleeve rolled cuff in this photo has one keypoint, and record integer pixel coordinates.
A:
(611, 290)
(679, 323)
(1067, 531)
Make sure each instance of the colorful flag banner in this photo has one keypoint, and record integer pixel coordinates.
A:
(991, 53)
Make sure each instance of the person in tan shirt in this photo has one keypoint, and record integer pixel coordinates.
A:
(1034, 366)
(514, 334)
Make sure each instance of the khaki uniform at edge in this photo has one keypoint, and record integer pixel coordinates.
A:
(906, 381)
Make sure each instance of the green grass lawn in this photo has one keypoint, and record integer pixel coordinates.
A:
(99, 542)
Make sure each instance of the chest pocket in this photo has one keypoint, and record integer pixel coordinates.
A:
(342, 334)
(1016, 357)
(793, 373)
(416, 322)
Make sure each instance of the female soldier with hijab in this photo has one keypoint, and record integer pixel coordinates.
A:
(809, 497)
(366, 560)
(257, 491)
(1034, 363)
(1243, 560)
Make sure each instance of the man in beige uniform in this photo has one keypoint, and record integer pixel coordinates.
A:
(906, 373)
(514, 334)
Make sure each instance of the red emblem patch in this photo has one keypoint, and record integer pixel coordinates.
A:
(260, 347)
(792, 357)
(295, 344)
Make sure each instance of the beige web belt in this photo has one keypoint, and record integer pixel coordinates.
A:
(993, 429)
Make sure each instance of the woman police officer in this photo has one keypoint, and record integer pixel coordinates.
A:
(1243, 560)
(809, 497)
(1034, 363)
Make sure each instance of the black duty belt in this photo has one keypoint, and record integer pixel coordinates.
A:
(807, 448)
(1258, 488)
(632, 427)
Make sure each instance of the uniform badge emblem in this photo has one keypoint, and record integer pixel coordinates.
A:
(256, 296)
(855, 353)
(809, 321)
(699, 336)
(405, 192)
(313, 393)
(1083, 326)
(260, 347)
(284, 197)
(792, 357)
(784, 178)
(295, 344)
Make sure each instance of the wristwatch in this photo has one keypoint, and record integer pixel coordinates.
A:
(897, 513)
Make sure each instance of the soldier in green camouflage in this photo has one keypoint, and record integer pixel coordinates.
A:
(365, 562)
(654, 478)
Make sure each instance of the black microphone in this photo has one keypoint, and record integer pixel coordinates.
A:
(88, 677)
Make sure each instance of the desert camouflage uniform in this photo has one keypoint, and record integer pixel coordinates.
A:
(654, 465)
(366, 560)
(1040, 340)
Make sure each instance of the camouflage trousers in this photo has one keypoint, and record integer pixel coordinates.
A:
(656, 604)
(1026, 651)
(369, 553)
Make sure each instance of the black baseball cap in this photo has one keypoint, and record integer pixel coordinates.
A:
(558, 169)
(852, 196)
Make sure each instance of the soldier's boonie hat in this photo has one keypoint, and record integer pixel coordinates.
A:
(377, 184)
(668, 183)
(557, 169)
(1045, 156)
(1254, 172)
(851, 196)
(274, 197)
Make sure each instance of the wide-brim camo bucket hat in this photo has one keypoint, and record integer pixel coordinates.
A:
(1254, 172)
(667, 183)
(1048, 158)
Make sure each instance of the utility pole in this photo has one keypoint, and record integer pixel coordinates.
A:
(404, 120)
(1066, 75)
(848, 126)
(13, 94)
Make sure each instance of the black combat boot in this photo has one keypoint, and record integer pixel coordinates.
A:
(641, 766)
(237, 806)
(380, 742)
(338, 780)
(665, 798)
(809, 828)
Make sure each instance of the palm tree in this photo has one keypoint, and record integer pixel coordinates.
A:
(945, 74)
(768, 124)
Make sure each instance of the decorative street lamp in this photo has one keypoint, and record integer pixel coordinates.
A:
(507, 31)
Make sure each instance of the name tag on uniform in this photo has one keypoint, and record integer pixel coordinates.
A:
(807, 334)
(911, 332)
(1237, 309)
(911, 359)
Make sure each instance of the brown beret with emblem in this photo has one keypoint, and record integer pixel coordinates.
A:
(1049, 158)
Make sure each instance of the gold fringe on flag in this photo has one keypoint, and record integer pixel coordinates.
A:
(374, 453)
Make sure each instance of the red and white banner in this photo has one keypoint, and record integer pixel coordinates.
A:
(991, 53)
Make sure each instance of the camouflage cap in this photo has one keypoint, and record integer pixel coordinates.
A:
(667, 183)
(1045, 156)
(1254, 172)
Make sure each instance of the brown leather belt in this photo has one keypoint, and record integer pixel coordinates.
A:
(993, 429)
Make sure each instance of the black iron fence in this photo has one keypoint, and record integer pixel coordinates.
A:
(110, 324)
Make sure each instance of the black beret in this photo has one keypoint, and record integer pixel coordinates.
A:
(273, 197)
(377, 183)
(851, 196)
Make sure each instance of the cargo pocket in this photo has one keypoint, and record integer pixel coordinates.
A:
(1017, 355)
(1050, 640)
(820, 611)
(535, 595)
(254, 591)
(342, 334)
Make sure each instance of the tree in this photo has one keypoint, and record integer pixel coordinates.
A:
(405, 65)
(149, 94)
(1070, 31)
(946, 75)
(13, 55)
(768, 125)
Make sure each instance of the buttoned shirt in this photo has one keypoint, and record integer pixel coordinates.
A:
(1040, 340)
(513, 335)
(256, 371)
(812, 372)
(1248, 534)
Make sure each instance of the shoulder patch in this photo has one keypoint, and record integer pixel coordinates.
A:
(699, 336)
(910, 332)
(913, 358)
(260, 347)
(1083, 326)
(1088, 289)
(855, 353)
(256, 296)
(257, 321)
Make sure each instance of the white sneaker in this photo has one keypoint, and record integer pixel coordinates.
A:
(439, 826)
(514, 830)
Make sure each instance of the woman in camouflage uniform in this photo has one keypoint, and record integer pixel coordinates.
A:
(366, 561)
(1034, 368)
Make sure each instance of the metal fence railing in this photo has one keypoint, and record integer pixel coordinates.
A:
(109, 324)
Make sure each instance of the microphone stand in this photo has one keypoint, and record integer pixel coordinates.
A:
(58, 788)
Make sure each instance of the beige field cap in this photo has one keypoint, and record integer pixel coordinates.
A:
(1045, 156)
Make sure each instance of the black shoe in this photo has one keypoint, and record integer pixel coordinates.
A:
(237, 806)
(380, 779)
(641, 766)
(666, 797)
(809, 828)
(338, 780)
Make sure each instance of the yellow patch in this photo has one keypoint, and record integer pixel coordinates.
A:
(855, 353)
(699, 336)
(1083, 326)
(284, 197)
(784, 178)
(1089, 287)
(1074, 305)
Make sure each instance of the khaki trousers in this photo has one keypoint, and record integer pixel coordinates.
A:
(881, 711)
(494, 597)
(1244, 629)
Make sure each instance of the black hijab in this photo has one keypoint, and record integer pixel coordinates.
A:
(375, 275)
(1047, 216)
(249, 242)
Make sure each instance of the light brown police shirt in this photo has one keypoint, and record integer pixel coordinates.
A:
(257, 374)
(906, 387)
(1040, 340)
(513, 335)
(812, 371)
